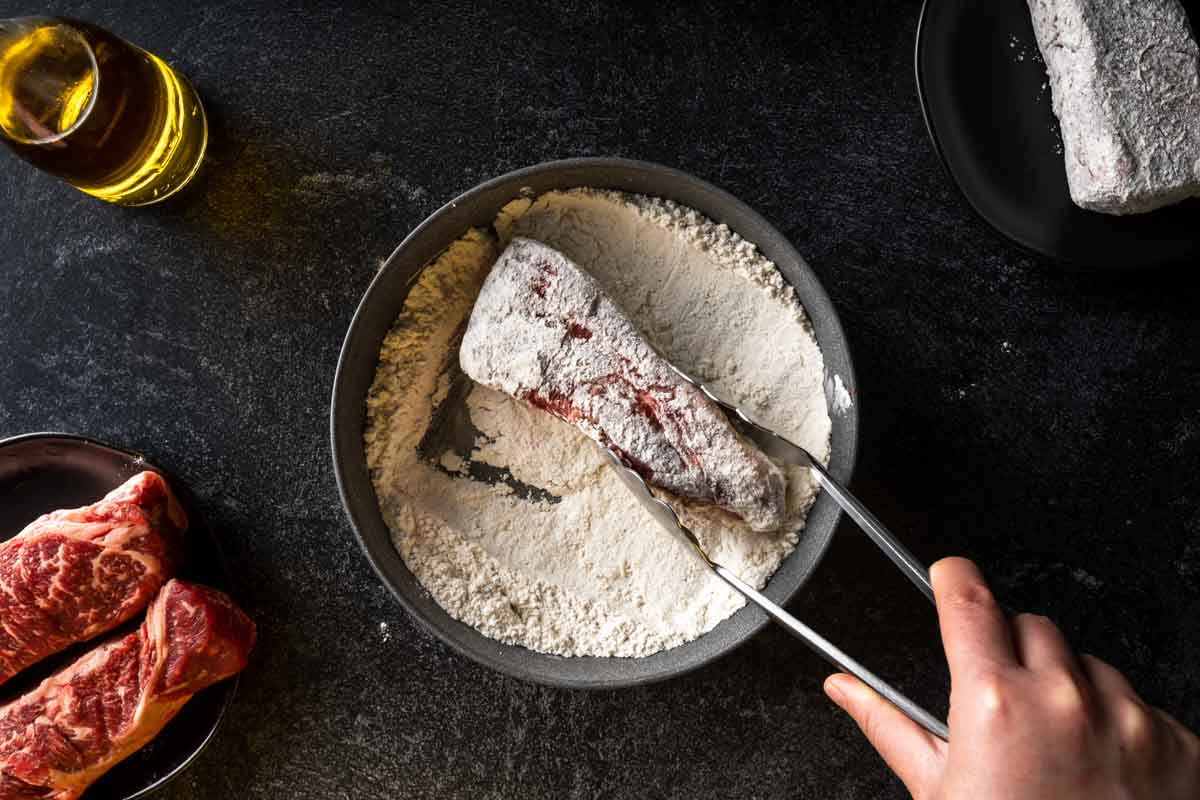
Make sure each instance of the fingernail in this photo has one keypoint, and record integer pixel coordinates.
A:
(833, 689)
(935, 569)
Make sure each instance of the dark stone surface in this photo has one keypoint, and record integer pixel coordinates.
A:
(1045, 423)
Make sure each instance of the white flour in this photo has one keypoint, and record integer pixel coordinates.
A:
(590, 574)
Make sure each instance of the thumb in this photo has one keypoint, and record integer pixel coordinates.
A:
(913, 754)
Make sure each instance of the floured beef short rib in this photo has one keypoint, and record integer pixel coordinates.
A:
(71, 575)
(544, 331)
(1125, 84)
(59, 738)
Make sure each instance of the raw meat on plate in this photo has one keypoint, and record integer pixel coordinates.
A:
(57, 739)
(75, 574)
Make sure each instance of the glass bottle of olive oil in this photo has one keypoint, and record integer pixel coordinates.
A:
(102, 114)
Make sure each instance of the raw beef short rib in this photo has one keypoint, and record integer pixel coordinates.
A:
(544, 331)
(75, 574)
(57, 739)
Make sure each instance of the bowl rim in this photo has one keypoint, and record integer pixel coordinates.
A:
(376, 552)
(230, 684)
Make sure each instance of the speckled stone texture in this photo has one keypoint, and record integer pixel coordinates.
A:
(1047, 424)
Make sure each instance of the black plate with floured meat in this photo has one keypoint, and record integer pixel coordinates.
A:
(986, 99)
(43, 472)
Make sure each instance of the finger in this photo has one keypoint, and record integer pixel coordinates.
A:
(1184, 738)
(1144, 730)
(1040, 645)
(913, 754)
(1109, 682)
(974, 631)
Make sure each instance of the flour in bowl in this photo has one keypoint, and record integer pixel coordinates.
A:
(556, 555)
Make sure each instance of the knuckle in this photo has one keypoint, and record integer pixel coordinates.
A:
(1135, 726)
(1067, 700)
(1185, 742)
(993, 696)
(970, 596)
(1067, 695)
(1066, 691)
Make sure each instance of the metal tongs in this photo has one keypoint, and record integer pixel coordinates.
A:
(780, 448)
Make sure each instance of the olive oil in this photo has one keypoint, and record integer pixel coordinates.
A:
(102, 114)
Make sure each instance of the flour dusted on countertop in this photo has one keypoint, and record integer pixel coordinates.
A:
(577, 567)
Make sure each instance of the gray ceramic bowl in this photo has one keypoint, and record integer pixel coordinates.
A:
(381, 305)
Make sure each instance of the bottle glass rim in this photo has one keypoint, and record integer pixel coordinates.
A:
(35, 23)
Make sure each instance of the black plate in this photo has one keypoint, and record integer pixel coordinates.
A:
(378, 311)
(981, 81)
(41, 472)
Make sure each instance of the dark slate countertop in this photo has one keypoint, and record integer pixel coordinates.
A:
(1045, 423)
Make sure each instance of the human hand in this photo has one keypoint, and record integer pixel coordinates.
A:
(1029, 719)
